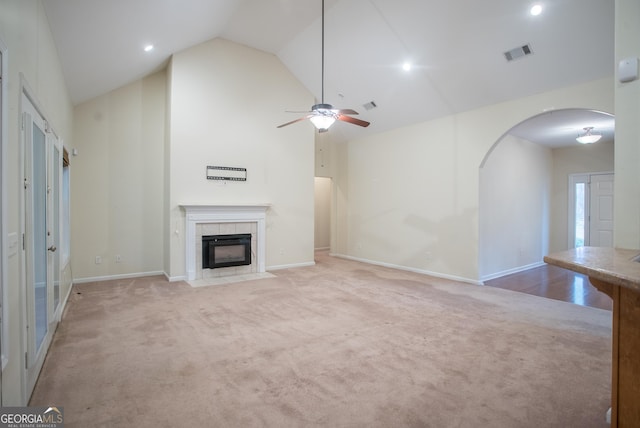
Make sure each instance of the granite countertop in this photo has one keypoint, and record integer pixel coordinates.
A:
(612, 265)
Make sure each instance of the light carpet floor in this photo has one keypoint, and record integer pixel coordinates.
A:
(338, 344)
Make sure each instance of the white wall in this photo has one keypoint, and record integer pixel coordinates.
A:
(32, 54)
(117, 182)
(412, 195)
(226, 101)
(627, 156)
(573, 160)
(515, 192)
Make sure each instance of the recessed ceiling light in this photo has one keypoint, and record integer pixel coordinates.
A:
(536, 9)
(406, 66)
(148, 48)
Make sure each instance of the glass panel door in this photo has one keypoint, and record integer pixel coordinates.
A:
(54, 215)
(39, 228)
(42, 193)
(578, 207)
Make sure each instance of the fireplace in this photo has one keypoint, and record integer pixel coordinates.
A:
(220, 251)
(203, 220)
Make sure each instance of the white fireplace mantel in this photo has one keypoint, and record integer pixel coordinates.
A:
(196, 214)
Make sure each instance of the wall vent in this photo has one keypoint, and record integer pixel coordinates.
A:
(518, 52)
(370, 105)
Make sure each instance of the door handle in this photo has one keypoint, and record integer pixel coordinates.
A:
(52, 248)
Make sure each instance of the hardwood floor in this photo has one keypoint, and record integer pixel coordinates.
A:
(554, 283)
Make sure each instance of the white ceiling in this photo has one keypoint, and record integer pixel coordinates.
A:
(456, 47)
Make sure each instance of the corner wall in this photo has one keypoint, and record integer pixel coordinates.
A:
(226, 101)
(117, 182)
(515, 188)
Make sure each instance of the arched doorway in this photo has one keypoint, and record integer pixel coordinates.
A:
(523, 206)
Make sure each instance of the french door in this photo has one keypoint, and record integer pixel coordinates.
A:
(42, 184)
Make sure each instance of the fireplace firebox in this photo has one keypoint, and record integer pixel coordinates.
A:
(220, 251)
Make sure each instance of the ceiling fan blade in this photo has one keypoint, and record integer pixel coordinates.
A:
(345, 111)
(294, 121)
(353, 120)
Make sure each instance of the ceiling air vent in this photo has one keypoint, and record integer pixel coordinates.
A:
(518, 52)
(370, 105)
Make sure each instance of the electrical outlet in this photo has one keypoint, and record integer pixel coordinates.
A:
(98, 260)
(118, 258)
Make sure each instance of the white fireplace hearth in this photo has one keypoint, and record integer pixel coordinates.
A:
(201, 219)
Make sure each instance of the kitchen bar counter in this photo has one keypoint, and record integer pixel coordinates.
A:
(615, 272)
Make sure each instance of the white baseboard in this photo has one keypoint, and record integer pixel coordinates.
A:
(175, 278)
(512, 271)
(410, 269)
(294, 265)
(112, 277)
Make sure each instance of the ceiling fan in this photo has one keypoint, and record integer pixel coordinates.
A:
(324, 115)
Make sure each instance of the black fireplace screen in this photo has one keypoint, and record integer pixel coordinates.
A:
(226, 250)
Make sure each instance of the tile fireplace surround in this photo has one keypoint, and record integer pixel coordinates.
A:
(200, 217)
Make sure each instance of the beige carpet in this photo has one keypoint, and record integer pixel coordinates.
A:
(339, 344)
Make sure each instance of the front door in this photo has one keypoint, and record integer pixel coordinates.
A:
(591, 210)
(601, 210)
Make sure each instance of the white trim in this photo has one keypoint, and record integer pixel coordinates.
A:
(291, 266)
(512, 271)
(410, 269)
(197, 214)
(4, 258)
(174, 278)
(112, 277)
(63, 303)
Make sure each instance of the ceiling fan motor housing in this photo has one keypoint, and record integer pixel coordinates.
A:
(321, 107)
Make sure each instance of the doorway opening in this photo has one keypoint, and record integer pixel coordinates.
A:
(524, 187)
(322, 219)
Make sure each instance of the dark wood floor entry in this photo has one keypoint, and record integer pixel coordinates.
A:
(554, 283)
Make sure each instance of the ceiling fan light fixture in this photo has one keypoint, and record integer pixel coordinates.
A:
(588, 137)
(322, 122)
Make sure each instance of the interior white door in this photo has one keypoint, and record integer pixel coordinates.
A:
(601, 210)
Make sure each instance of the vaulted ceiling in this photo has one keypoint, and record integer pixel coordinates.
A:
(455, 49)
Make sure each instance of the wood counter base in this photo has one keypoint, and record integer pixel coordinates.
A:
(625, 388)
(615, 272)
